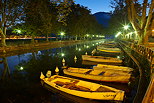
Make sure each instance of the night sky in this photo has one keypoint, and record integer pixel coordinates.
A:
(96, 5)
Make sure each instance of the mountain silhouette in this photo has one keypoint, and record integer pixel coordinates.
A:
(103, 18)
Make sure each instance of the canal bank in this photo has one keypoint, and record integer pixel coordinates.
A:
(142, 57)
(26, 48)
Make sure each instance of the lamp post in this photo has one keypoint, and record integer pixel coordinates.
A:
(126, 27)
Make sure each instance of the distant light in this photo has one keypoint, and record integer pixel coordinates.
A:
(96, 43)
(87, 46)
(118, 34)
(131, 33)
(62, 33)
(118, 57)
(62, 54)
(19, 31)
(87, 35)
(135, 32)
(153, 30)
(93, 35)
(93, 44)
(21, 68)
(79, 49)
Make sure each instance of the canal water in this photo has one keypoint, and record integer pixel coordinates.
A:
(19, 74)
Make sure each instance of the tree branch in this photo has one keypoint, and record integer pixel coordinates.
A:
(143, 20)
(150, 16)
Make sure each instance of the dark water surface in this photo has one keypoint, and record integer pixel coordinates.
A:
(20, 81)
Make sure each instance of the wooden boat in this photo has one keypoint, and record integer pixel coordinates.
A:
(83, 89)
(101, 59)
(86, 62)
(109, 49)
(113, 67)
(98, 75)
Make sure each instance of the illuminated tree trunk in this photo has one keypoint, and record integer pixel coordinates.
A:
(47, 39)
(3, 37)
(141, 21)
(76, 37)
(33, 39)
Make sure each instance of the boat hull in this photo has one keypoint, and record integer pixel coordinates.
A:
(120, 79)
(101, 59)
(112, 95)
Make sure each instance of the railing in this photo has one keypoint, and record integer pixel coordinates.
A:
(143, 57)
(143, 50)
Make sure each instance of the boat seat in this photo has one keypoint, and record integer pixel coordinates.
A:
(84, 89)
(88, 72)
(68, 84)
(59, 83)
(90, 86)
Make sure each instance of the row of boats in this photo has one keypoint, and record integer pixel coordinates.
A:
(89, 90)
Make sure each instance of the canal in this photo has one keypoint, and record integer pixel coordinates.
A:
(19, 74)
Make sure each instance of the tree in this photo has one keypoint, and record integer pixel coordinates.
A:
(119, 17)
(11, 12)
(81, 22)
(141, 18)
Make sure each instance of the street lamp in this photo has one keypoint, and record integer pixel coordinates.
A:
(62, 34)
(126, 27)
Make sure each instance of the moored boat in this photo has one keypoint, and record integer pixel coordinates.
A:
(113, 67)
(83, 89)
(98, 74)
(110, 50)
(101, 59)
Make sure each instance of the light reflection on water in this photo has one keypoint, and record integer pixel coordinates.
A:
(23, 71)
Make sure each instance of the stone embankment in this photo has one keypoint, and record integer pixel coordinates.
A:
(26, 48)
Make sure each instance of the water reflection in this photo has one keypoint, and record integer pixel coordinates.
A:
(24, 71)
(6, 71)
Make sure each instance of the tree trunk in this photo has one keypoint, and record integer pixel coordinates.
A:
(143, 38)
(140, 41)
(146, 37)
(3, 37)
(76, 37)
(47, 39)
(33, 39)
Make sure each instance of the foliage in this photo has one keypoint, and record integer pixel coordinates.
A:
(11, 12)
(81, 22)
(119, 17)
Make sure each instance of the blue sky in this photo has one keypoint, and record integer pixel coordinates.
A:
(96, 5)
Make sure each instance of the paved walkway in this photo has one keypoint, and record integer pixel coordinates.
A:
(149, 96)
